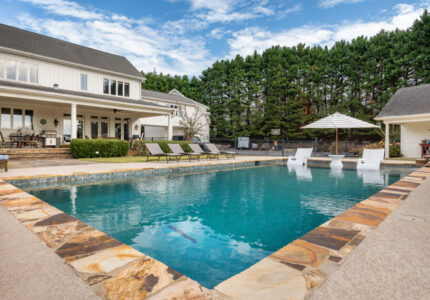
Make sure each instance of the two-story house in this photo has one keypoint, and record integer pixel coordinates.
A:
(76, 91)
(157, 128)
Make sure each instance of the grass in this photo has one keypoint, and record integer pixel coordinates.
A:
(135, 159)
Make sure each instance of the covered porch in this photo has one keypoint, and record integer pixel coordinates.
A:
(28, 117)
(414, 132)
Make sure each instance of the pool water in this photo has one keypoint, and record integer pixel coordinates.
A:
(211, 226)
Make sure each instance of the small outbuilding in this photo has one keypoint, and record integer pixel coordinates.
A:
(410, 108)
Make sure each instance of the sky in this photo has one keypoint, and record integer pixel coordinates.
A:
(188, 36)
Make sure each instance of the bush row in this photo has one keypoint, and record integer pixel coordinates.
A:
(140, 146)
(84, 148)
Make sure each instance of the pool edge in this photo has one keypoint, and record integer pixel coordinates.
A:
(110, 267)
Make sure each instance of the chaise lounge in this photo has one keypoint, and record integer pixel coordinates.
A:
(176, 149)
(213, 150)
(155, 150)
(301, 157)
(371, 159)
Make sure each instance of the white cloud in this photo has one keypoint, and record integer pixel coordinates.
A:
(65, 8)
(246, 41)
(146, 46)
(332, 3)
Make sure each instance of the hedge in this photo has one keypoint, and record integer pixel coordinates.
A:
(140, 146)
(84, 148)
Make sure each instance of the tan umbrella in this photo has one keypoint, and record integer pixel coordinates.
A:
(336, 121)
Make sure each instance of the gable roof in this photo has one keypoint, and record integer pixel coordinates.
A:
(414, 100)
(34, 43)
(172, 96)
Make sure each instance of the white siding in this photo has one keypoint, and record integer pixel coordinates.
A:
(411, 135)
(158, 125)
(68, 77)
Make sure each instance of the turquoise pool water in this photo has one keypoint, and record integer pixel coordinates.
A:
(211, 226)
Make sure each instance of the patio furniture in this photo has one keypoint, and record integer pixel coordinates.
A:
(176, 149)
(213, 150)
(336, 121)
(425, 147)
(301, 157)
(371, 159)
(155, 150)
(3, 161)
(197, 149)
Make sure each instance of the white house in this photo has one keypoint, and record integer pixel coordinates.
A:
(49, 84)
(157, 128)
(410, 108)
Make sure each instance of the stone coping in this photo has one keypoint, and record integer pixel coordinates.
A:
(116, 271)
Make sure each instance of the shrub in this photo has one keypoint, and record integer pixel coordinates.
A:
(98, 148)
(140, 146)
(395, 151)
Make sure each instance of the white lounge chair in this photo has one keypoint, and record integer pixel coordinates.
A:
(301, 157)
(371, 159)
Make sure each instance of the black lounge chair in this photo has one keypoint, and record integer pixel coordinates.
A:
(176, 149)
(213, 150)
(155, 150)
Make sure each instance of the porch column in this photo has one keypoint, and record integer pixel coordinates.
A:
(169, 127)
(387, 140)
(73, 119)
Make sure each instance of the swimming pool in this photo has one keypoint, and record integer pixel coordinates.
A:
(211, 226)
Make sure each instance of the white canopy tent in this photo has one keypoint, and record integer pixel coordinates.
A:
(336, 121)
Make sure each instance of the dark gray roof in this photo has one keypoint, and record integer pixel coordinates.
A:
(76, 93)
(22, 40)
(168, 97)
(412, 100)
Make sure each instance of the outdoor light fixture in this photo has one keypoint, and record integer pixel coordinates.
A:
(56, 122)
(56, 86)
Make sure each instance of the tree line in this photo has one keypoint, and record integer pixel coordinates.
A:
(287, 87)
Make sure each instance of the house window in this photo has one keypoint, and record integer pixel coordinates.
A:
(34, 76)
(22, 72)
(120, 88)
(118, 130)
(105, 86)
(94, 127)
(11, 70)
(17, 118)
(1, 68)
(84, 82)
(28, 119)
(126, 89)
(6, 119)
(113, 87)
(104, 127)
(180, 111)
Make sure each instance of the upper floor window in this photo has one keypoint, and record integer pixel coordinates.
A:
(105, 86)
(84, 82)
(22, 72)
(120, 88)
(11, 70)
(14, 70)
(113, 87)
(116, 87)
(1, 69)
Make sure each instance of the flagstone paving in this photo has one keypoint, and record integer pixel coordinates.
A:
(116, 271)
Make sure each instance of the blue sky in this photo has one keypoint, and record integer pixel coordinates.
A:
(187, 36)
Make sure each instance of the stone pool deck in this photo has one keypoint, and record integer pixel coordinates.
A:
(116, 271)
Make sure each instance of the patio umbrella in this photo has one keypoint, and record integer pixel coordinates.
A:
(336, 121)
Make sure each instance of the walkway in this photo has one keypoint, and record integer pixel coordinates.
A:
(30, 270)
(391, 263)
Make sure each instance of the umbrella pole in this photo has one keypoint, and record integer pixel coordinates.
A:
(337, 146)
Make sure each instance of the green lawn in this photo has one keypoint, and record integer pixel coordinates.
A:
(134, 159)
